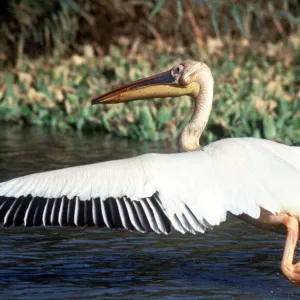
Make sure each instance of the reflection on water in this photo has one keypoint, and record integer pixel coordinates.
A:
(234, 261)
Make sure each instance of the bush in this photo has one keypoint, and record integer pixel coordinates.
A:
(58, 26)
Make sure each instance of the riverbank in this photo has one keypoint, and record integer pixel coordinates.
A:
(256, 92)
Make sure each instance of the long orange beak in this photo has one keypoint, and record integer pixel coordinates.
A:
(161, 85)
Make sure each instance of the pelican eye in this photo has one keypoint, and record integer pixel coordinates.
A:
(177, 70)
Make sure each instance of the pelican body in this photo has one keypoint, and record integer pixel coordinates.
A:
(190, 191)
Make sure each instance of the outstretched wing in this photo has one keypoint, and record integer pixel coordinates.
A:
(154, 192)
(114, 194)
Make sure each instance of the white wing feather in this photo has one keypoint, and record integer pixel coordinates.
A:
(236, 175)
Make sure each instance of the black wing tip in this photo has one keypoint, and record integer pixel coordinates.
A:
(113, 213)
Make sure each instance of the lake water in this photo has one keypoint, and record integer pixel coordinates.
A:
(233, 261)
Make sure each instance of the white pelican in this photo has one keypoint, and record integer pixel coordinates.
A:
(255, 179)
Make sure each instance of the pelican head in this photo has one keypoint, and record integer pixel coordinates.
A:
(180, 80)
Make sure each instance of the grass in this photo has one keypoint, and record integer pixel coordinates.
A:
(256, 92)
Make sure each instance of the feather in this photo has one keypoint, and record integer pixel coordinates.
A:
(194, 223)
(189, 192)
(29, 213)
(9, 216)
(116, 219)
(149, 215)
(124, 214)
(38, 214)
(55, 212)
(5, 207)
(47, 212)
(20, 212)
(97, 215)
(158, 216)
(106, 213)
(71, 212)
(79, 212)
(63, 212)
(132, 214)
(142, 216)
(88, 214)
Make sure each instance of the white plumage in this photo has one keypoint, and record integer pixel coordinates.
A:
(231, 175)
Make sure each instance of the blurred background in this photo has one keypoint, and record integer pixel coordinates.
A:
(56, 55)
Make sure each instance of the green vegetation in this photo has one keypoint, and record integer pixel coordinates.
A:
(256, 93)
(59, 54)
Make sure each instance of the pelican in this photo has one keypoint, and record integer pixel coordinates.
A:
(190, 191)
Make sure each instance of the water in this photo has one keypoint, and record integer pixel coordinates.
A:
(234, 261)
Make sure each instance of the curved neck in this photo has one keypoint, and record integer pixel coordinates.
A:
(189, 139)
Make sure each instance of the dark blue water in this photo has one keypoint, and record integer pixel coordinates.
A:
(234, 261)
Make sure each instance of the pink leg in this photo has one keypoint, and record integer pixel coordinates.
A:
(290, 270)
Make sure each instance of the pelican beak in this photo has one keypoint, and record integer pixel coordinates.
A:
(161, 85)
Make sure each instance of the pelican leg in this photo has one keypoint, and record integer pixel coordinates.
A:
(290, 270)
